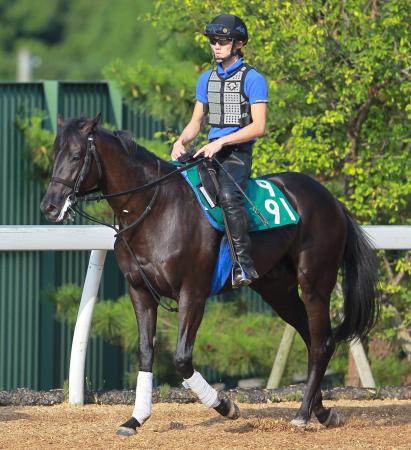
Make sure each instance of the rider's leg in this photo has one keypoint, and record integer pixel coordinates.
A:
(237, 162)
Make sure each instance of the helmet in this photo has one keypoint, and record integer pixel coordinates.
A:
(229, 26)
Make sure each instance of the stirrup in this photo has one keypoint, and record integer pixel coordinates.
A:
(241, 277)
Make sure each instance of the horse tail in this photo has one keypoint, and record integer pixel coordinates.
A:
(359, 285)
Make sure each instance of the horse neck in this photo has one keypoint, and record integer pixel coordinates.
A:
(122, 172)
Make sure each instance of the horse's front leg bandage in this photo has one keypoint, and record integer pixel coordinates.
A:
(202, 389)
(144, 391)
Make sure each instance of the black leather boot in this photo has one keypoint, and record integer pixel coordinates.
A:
(236, 160)
(243, 272)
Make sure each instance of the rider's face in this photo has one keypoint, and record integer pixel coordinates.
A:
(222, 47)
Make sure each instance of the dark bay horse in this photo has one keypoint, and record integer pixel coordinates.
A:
(173, 250)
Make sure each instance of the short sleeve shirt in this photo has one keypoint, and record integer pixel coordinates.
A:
(255, 88)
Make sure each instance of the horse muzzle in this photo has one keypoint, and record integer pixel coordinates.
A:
(56, 211)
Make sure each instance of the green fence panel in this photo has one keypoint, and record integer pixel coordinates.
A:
(34, 347)
(20, 308)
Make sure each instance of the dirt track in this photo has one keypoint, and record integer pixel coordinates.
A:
(377, 424)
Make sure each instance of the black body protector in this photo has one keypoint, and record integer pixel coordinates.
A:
(228, 106)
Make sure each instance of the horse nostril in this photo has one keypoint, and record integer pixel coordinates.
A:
(48, 209)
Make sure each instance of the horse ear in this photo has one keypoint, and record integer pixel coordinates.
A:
(97, 118)
(90, 125)
(60, 121)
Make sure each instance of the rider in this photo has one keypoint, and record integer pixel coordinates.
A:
(234, 96)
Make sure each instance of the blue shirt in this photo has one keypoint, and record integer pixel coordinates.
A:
(255, 88)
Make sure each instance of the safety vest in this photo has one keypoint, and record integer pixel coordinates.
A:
(228, 106)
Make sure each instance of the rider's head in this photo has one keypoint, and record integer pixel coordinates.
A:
(227, 34)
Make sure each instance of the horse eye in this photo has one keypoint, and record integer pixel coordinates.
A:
(76, 157)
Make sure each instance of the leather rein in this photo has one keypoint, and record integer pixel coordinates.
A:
(75, 197)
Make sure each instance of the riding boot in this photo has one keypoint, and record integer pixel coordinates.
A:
(243, 272)
(236, 161)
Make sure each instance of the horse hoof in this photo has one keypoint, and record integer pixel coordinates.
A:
(299, 423)
(334, 419)
(234, 412)
(128, 428)
(228, 409)
(125, 431)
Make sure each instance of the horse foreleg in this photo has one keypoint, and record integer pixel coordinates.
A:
(190, 316)
(145, 309)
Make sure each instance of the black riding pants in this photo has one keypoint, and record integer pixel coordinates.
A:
(236, 160)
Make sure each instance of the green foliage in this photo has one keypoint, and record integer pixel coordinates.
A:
(76, 39)
(390, 370)
(159, 147)
(164, 90)
(40, 143)
(339, 82)
(164, 390)
(66, 299)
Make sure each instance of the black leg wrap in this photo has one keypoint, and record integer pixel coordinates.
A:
(128, 428)
(132, 423)
(223, 408)
(227, 408)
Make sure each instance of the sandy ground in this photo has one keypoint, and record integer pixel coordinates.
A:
(376, 424)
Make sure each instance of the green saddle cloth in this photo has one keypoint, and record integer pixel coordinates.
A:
(266, 196)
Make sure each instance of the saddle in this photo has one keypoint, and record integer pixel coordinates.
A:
(208, 178)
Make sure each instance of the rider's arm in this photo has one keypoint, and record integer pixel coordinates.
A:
(254, 130)
(190, 132)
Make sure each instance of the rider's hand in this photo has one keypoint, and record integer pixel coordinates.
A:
(178, 150)
(210, 149)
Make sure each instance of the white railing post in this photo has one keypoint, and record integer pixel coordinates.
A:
(362, 365)
(82, 328)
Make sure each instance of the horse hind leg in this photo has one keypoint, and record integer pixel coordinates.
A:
(282, 295)
(316, 288)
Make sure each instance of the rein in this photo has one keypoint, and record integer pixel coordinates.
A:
(135, 190)
(75, 198)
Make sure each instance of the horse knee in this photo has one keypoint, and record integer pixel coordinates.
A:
(183, 365)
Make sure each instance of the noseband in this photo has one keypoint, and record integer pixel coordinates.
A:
(90, 154)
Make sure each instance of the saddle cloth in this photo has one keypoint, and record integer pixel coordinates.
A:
(266, 196)
(269, 199)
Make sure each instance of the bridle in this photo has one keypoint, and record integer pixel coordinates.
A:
(75, 197)
(85, 168)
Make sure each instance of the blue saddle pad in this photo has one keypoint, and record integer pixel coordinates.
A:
(222, 268)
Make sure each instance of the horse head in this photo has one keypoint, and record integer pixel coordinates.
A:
(73, 169)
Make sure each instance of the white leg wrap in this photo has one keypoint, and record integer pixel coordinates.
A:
(144, 391)
(202, 389)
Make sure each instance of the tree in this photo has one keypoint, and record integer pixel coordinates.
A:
(339, 75)
(74, 40)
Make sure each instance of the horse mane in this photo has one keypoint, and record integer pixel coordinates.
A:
(135, 151)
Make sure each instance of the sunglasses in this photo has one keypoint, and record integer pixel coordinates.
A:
(220, 41)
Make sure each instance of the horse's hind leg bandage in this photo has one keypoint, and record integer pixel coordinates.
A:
(144, 391)
(202, 389)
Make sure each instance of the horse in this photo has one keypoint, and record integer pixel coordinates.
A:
(166, 247)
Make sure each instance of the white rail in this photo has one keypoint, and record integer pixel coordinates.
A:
(99, 239)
